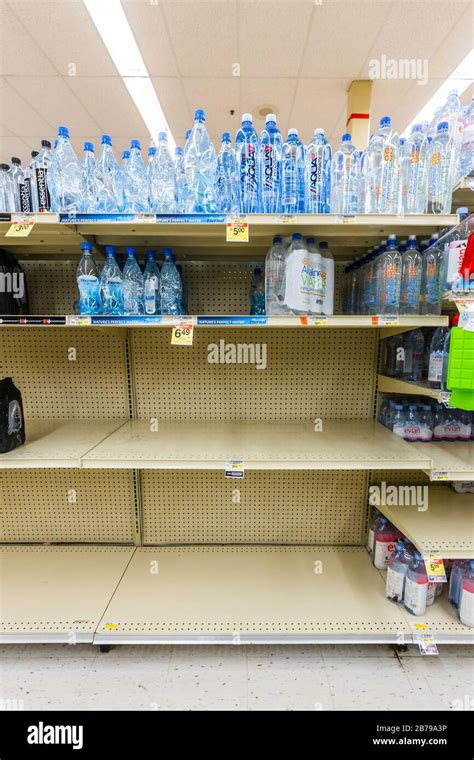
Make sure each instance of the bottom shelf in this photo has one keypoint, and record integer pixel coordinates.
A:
(224, 594)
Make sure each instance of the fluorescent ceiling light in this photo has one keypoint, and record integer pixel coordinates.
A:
(460, 80)
(117, 36)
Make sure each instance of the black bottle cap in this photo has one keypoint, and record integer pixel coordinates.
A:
(45, 143)
(4, 167)
(34, 153)
(16, 160)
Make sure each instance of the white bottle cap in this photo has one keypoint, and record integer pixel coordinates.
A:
(292, 131)
(270, 117)
(246, 117)
(319, 131)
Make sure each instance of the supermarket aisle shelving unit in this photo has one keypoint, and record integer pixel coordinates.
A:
(128, 438)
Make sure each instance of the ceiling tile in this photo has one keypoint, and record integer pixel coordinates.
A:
(318, 103)
(67, 35)
(217, 97)
(148, 24)
(19, 53)
(277, 94)
(203, 36)
(113, 108)
(14, 146)
(172, 97)
(19, 116)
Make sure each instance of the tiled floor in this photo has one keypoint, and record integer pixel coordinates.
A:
(51, 677)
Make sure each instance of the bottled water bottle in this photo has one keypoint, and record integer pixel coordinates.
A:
(466, 599)
(389, 278)
(108, 177)
(227, 177)
(456, 581)
(374, 174)
(411, 278)
(16, 174)
(181, 181)
(135, 182)
(32, 178)
(318, 157)
(42, 166)
(452, 113)
(413, 350)
(432, 278)
(162, 180)
(26, 189)
(327, 263)
(416, 586)
(376, 515)
(170, 285)
(271, 146)
(88, 283)
(435, 370)
(441, 171)
(384, 543)
(447, 341)
(89, 198)
(111, 285)
(275, 278)
(125, 157)
(416, 171)
(65, 176)
(403, 165)
(466, 159)
(397, 568)
(399, 421)
(389, 165)
(247, 154)
(293, 184)
(344, 178)
(363, 182)
(257, 292)
(7, 196)
(132, 280)
(200, 167)
(151, 277)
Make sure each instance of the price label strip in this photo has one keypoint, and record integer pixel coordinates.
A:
(20, 229)
(237, 230)
(435, 567)
(234, 469)
(439, 475)
(182, 334)
(424, 639)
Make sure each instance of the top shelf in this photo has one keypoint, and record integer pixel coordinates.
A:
(201, 237)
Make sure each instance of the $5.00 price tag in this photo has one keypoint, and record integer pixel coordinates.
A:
(237, 231)
(19, 229)
(435, 568)
(182, 334)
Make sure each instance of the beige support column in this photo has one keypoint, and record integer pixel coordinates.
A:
(358, 112)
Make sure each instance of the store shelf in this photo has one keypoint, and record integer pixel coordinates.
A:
(250, 595)
(52, 594)
(442, 622)
(452, 460)
(445, 524)
(463, 193)
(341, 445)
(58, 443)
(396, 385)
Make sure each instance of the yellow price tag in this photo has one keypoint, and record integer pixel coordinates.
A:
(111, 626)
(19, 229)
(182, 334)
(237, 231)
(435, 568)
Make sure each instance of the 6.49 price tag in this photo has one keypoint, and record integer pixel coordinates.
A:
(237, 230)
(182, 334)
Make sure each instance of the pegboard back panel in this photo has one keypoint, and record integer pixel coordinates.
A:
(67, 506)
(263, 508)
(67, 373)
(309, 373)
(52, 287)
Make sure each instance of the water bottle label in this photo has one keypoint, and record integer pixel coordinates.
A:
(394, 585)
(151, 286)
(382, 552)
(26, 200)
(412, 292)
(466, 607)
(426, 434)
(305, 282)
(415, 596)
(435, 371)
(44, 198)
(412, 432)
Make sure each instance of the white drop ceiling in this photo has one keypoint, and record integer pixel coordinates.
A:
(298, 56)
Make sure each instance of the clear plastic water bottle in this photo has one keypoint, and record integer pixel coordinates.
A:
(151, 278)
(271, 147)
(65, 177)
(416, 171)
(389, 278)
(363, 182)
(375, 516)
(447, 341)
(298, 290)
(411, 278)
(108, 176)
(247, 154)
(181, 181)
(88, 282)
(456, 581)
(292, 174)
(125, 157)
(170, 285)
(452, 114)
(227, 177)
(200, 166)
(257, 292)
(327, 261)
(403, 166)
(413, 352)
(416, 586)
(435, 371)
(275, 278)
(466, 157)
(318, 157)
(111, 285)
(42, 165)
(32, 178)
(426, 423)
(16, 175)
(441, 171)
(389, 167)
(344, 178)
(135, 182)
(162, 179)
(7, 197)
(399, 421)
(132, 281)
(89, 197)
(432, 279)
(384, 543)
(466, 599)
(374, 174)
(397, 568)
(26, 191)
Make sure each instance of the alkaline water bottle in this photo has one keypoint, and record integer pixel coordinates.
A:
(227, 177)
(88, 183)
(132, 280)
(88, 283)
(389, 275)
(416, 171)
(247, 153)
(161, 178)
(441, 171)
(31, 169)
(65, 176)
(344, 178)
(151, 278)
(135, 182)
(170, 285)
(108, 176)
(200, 167)
(432, 279)
(275, 278)
(271, 147)
(389, 167)
(111, 285)
(411, 278)
(26, 191)
(318, 157)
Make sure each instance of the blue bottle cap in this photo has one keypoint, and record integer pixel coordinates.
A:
(151, 150)
(126, 154)
(63, 132)
(109, 250)
(106, 140)
(135, 144)
(416, 128)
(323, 244)
(443, 126)
(310, 239)
(167, 252)
(86, 246)
(226, 137)
(277, 239)
(199, 115)
(178, 151)
(385, 121)
(130, 250)
(151, 254)
(402, 141)
(346, 137)
(89, 146)
(187, 133)
(162, 135)
(296, 236)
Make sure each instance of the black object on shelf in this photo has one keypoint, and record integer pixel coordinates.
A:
(12, 421)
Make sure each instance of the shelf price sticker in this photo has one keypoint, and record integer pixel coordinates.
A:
(445, 397)
(20, 228)
(234, 469)
(286, 219)
(435, 569)
(78, 321)
(320, 321)
(237, 230)
(425, 640)
(111, 626)
(439, 475)
(346, 219)
(182, 334)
